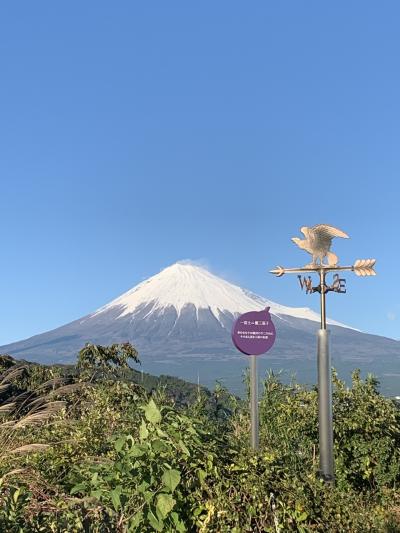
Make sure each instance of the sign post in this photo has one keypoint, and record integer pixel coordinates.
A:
(317, 243)
(254, 441)
(253, 334)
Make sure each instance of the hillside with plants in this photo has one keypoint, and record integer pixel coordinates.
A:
(99, 447)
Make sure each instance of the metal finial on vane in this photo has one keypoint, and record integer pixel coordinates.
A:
(317, 243)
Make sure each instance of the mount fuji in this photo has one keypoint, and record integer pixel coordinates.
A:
(182, 317)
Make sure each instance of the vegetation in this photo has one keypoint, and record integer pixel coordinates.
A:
(101, 448)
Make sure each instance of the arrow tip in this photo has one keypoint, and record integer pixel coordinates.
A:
(278, 271)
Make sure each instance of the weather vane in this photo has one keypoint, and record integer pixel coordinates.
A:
(317, 243)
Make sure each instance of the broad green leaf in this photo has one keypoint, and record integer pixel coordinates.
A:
(179, 525)
(165, 504)
(161, 433)
(115, 498)
(78, 488)
(183, 448)
(119, 444)
(202, 475)
(148, 495)
(142, 487)
(199, 510)
(152, 413)
(171, 478)
(137, 451)
(143, 431)
(135, 521)
(154, 522)
(159, 446)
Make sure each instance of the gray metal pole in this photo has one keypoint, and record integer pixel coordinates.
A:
(254, 402)
(325, 408)
(323, 303)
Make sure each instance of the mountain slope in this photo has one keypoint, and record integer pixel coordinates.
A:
(187, 312)
(184, 283)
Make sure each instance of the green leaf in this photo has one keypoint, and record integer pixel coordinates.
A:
(161, 433)
(148, 495)
(155, 524)
(202, 475)
(78, 488)
(115, 498)
(165, 504)
(179, 525)
(159, 446)
(183, 447)
(15, 495)
(171, 478)
(198, 510)
(135, 521)
(143, 431)
(152, 413)
(142, 487)
(137, 451)
(119, 444)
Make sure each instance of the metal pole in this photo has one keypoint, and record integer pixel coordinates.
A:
(254, 402)
(323, 305)
(326, 463)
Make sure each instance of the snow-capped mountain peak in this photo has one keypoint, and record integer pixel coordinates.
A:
(183, 316)
(184, 283)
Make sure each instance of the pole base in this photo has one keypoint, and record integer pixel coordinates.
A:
(326, 478)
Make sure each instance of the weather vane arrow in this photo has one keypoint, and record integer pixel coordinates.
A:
(317, 242)
(362, 267)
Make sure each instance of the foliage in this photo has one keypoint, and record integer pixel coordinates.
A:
(120, 458)
(23, 409)
(106, 360)
(148, 478)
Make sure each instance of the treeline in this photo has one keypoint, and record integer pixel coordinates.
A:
(99, 447)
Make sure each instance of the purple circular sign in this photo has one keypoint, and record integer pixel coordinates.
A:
(253, 333)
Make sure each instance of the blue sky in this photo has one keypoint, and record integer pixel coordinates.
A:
(137, 134)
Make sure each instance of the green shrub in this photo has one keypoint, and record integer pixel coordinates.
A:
(119, 459)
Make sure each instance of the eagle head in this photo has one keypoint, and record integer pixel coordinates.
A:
(300, 242)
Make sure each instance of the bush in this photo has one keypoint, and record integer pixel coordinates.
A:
(119, 459)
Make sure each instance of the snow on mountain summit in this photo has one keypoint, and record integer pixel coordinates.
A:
(180, 322)
(184, 283)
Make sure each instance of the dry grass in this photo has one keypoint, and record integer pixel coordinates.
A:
(30, 448)
(28, 409)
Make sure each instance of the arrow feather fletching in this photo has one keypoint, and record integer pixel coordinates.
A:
(364, 267)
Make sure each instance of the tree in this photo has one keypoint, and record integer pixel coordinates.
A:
(106, 359)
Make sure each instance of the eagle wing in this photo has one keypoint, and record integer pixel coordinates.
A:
(322, 236)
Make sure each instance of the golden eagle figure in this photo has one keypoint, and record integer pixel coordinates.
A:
(317, 242)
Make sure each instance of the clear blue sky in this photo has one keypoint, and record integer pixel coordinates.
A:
(136, 134)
